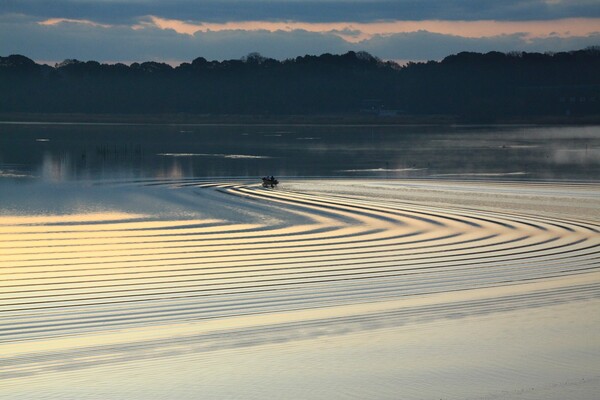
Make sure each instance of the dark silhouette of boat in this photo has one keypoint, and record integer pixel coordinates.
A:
(269, 181)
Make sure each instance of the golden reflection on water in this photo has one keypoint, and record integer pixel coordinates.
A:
(17, 220)
(87, 290)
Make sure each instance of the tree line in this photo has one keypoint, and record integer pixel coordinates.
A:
(467, 85)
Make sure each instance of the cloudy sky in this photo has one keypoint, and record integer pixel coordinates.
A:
(181, 30)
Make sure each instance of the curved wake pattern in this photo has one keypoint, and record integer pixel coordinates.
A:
(347, 261)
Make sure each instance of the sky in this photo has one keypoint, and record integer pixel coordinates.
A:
(180, 30)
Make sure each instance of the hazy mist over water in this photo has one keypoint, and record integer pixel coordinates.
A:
(392, 262)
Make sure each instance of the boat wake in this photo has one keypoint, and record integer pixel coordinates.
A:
(299, 265)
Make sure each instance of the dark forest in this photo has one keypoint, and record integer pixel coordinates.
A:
(471, 86)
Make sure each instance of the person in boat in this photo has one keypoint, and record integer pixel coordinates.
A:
(269, 181)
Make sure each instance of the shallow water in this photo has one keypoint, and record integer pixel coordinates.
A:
(154, 286)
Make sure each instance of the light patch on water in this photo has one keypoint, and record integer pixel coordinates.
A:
(242, 156)
(14, 174)
(382, 170)
(490, 174)
(520, 146)
(67, 218)
(233, 156)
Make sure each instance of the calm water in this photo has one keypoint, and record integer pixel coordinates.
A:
(71, 152)
(146, 262)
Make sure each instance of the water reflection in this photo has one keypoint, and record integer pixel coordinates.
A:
(397, 295)
(56, 168)
(75, 152)
(385, 288)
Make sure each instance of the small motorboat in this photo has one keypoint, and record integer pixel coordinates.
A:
(269, 181)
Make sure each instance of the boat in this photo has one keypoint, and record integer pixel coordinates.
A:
(269, 181)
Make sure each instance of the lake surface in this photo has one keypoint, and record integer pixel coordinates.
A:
(72, 151)
(147, 262)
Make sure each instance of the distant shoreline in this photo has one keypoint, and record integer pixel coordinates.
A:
(355, 119)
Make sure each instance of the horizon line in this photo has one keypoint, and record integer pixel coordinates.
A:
(176, 63)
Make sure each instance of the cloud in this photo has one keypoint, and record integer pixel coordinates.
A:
(358, 31)
(24, 35)
(123, 11)
(145, 40)
(56, 21)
